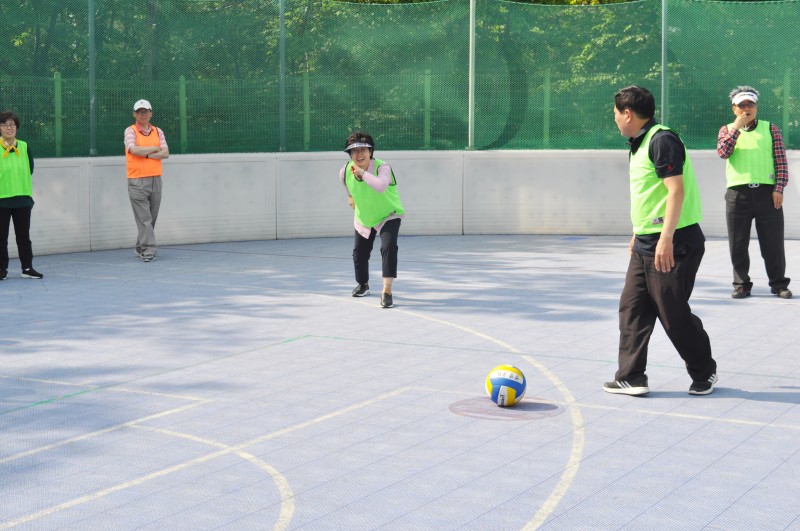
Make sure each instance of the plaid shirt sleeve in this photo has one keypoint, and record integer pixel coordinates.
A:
(779, 156)
(726, 141)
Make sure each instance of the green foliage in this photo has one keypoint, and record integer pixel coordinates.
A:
(545, 70)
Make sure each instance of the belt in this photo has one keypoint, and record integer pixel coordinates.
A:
(750, 185)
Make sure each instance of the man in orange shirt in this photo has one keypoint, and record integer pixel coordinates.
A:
(144, 152)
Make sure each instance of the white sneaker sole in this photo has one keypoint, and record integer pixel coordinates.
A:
(631, 391)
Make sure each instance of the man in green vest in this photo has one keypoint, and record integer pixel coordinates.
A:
(666, 249)
(756, 171)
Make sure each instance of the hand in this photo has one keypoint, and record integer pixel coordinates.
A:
(351, 202)
(664, 260)
(358, 172)
(777, 199)
(744, 117)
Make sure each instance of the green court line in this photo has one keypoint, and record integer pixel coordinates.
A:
(59, 398)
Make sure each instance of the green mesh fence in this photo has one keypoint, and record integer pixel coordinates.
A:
(298, 75)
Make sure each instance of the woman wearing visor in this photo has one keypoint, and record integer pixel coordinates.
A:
(372, 194)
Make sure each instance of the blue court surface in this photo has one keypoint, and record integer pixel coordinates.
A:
(240, 386)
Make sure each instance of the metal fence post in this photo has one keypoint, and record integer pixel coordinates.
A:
(306, 111)
(427, 119)
(182, 113)
(58, 130)
(787, 86)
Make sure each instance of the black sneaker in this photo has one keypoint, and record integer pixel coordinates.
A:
(740, 292)
(3, 274)
(31, 273)
(386, 300)
(361, 290)
(783, 293)
(636, 387)
(705, 387)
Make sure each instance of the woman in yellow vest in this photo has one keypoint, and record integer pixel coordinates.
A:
(16, 198)
(372, 194)
(756, 171)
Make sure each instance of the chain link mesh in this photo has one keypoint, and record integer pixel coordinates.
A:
(228, 76)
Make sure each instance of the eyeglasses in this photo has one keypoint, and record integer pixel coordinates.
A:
(746, 104)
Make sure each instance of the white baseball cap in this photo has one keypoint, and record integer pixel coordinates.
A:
(745, 96)
(142, 104)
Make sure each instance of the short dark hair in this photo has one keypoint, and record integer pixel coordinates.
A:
(9, 114)
(360, 136)
(637, 99)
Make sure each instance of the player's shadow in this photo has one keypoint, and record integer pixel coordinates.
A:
(790, 396)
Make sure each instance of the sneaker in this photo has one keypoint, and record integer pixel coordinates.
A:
(3, 274)
(31, 273)
(361, 290)
(740, 292)
(137, 253)
(636, 387)
(783, 293)
(148, 258)
(386, 300)
(705, 387)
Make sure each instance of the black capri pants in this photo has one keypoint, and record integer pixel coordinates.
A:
(362, 248)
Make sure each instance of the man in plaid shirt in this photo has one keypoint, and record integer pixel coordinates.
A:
(756, 172)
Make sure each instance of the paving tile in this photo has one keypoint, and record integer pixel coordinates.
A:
(237, 379)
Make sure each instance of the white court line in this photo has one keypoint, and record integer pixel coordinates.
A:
(284, 489)
(203, 459)
(578, 435)
(704, 418)
(93, 434)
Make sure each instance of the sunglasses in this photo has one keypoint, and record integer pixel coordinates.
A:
(746, 104)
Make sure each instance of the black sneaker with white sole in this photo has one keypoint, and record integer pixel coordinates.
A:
(706, 387)
(637, 387)
(3, 274)
(31, 273)
(361, 290)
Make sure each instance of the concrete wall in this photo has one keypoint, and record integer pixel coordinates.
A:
(82, 204)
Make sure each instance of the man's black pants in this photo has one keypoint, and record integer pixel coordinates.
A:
(743, 205)
(649, 295)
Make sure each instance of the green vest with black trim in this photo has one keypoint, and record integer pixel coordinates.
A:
(751, 160)
(15, 172)
(372, 206)
(649, 195)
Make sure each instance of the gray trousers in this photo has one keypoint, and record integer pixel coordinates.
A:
(145, 195)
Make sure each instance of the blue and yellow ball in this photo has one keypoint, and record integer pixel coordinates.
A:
(505, 385)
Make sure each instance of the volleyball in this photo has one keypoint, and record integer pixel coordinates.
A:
(505, 385)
